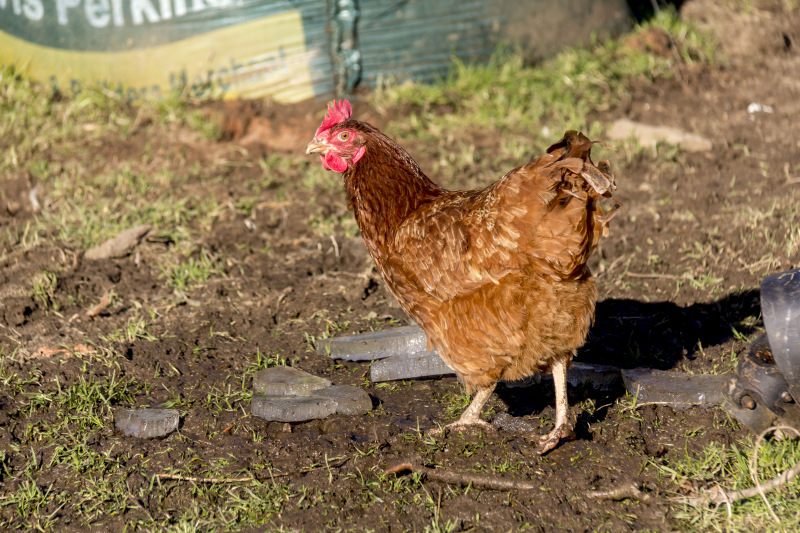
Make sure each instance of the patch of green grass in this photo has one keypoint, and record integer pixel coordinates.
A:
(88, 210)
(85, 200)
(261, 362)
(728, 467)
(135, 328)
(508, 95)
(37, 507)
(188, 274)
(326, 226)
(80, 408)
(44, 289)
(455, 403)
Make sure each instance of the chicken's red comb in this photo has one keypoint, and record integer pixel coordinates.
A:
(338, 112)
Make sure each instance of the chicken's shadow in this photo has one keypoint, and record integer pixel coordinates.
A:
(631, 333)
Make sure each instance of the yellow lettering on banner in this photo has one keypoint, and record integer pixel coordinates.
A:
(262, 57)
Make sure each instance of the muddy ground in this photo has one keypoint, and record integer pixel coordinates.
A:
(679, 280)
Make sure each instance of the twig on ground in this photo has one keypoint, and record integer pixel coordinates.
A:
(624, 491)
(485, 481)
(645, 404)
(97, 309)
(201, 479)
(754, 465)
(718, 495)
(656, 276)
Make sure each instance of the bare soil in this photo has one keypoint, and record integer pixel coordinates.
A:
(677, 277)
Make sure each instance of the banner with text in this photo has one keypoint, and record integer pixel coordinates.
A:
(147, 48)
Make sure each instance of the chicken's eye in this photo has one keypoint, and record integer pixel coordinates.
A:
(344, 136)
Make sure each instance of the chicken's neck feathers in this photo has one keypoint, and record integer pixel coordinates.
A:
(385, 187)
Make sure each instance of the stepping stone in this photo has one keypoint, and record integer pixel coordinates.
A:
(404, 355)
(598, 377)
(349, 400)
(375, 344)
(146, 423)
(409, 366)
(292, 408)
(676, 389)
(283, 380)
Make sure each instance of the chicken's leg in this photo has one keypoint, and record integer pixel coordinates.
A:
(563, 425)
(472, 414)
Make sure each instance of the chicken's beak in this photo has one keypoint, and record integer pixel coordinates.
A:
(316, 146)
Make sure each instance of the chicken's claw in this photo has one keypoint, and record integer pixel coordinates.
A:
(554, 438)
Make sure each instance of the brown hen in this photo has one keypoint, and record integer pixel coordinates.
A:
(497, 278)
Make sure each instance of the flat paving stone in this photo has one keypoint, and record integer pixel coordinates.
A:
(676, 389)
(292, 408)
(349, 400)
(403, 355)
(283, 380)
(409, 366)
(598, 377)
(146, 423)
(375, 344)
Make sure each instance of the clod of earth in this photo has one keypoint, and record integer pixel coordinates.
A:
(146, 423)
(119, 246)
(285, 380)
(675, 389)
(647, 135)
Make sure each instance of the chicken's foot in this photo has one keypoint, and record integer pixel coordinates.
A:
(563, 425)
(472, 415)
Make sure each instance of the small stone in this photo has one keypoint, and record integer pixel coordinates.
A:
(375, 344)
(676, 389)
(410, 366)
(292, 408)
(349, 400)
(647, 135)
(281, 380)
(147, 423)
(119, 246)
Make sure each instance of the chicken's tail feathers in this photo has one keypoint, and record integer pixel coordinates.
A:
(576, 144)
(573, 152)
